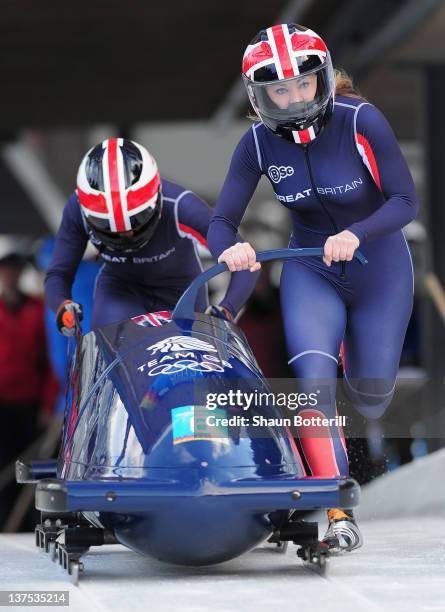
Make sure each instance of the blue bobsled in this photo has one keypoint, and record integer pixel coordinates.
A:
(141, 463)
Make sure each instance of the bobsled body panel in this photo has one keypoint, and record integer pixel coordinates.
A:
(140, 458)
(207, 533)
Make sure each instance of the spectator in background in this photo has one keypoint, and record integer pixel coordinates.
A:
(27, 385)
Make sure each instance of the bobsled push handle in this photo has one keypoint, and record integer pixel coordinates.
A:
(185, 307)
(77, 325)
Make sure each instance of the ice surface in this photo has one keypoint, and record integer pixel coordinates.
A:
(400, 568)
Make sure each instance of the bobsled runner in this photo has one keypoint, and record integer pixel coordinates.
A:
(140, 465)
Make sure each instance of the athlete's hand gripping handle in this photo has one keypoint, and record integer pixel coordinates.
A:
(185, 307)
(240, 256)
(68, 318)
(220, 312)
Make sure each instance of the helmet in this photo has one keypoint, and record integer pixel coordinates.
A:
(119, 190)
(290, 81)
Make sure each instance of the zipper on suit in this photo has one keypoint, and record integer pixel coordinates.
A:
(320, 201)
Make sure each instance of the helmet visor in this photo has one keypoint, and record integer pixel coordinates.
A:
(297, 99)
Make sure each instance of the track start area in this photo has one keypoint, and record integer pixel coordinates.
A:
(400, 567)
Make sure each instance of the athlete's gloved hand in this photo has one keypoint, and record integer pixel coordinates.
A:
(67, 316)
(221, 312)
(340, 247)
(240, 256)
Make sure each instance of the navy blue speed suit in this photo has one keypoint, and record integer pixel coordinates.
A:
(147, 280)
(352, 176)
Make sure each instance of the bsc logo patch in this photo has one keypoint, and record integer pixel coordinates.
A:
(277, 173)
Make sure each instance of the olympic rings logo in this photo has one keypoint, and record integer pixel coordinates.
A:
(277, 173)
(185, 364)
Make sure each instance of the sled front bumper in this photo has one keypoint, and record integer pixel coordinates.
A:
(140, 496)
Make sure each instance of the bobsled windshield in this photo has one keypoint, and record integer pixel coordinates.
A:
(138, 405)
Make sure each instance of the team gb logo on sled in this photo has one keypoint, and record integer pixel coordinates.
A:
(179, 353)
(180, 343)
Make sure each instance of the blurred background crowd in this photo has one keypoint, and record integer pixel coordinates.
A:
(168, 76)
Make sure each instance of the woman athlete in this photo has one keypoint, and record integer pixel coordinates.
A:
(333, 161)
(145, 230)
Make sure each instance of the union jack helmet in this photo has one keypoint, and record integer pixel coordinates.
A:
(290, 81)
(119, 190)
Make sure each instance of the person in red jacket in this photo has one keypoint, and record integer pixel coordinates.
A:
(27, 385)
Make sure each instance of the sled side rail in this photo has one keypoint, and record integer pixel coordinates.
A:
(33, 471)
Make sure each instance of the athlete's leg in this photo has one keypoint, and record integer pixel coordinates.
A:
(314, 318)
(373, 345)
(378, 317)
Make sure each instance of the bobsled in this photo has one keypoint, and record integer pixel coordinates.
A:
(146, 461)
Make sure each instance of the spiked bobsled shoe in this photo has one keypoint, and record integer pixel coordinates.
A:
(342, 533)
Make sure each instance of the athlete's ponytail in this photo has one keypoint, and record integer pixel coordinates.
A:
(345, 87)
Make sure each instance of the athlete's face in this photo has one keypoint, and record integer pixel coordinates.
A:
(290, 92)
